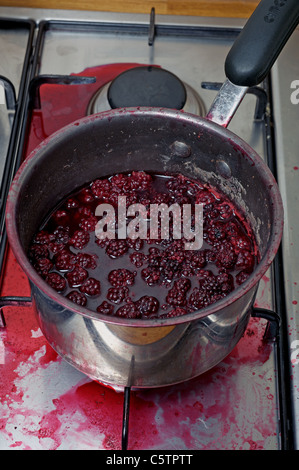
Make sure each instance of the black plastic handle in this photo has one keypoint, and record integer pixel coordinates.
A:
(261, 40)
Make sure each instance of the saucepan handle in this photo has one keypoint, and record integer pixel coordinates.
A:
(253, 53)
(261, 40)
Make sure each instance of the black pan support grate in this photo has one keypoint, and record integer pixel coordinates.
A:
(15, 105)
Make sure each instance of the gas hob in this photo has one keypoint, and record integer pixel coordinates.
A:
(56, 66)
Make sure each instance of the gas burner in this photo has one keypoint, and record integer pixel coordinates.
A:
(146, 86)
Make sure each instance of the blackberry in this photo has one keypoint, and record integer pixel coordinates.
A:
(121, 277)
(232, 229)
(43, 238)
(129, 310)
(56, 281)
(183, 285)
(154, 257)
(177, 294)
(61, 235)
(43, 266)
(37, 252)
(241, 242)
(160, 198)
(187, 270)
(225, 211)
(216, 297)
(91, 287)
(150, 275)
(86, 196)
(147, 305)
(225, 282)
(64, 261)
(101, 189)
(113, 198)
(197, 299)
(105, 308)
(55, 247)
(60, 217)
(210, 212)
(85, 260)
(79, 239)
(102, 243)
(76, 277)
(178, 185)
(241, 277)
(176, 251)
(121, 184)
(175, 312)
(116, 248)
(77, 298)
(216, 233)
(208, 282)
(137, 259)
(210, 256)
(245, 260)
(139, 180)
(117, 294)
(171, 269)
(212, 288)
(226, 256)
(88, 224)
(198, 260)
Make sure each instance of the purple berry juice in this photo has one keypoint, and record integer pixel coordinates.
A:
(143, 277)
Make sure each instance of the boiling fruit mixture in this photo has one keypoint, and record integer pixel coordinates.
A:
(141, 277)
